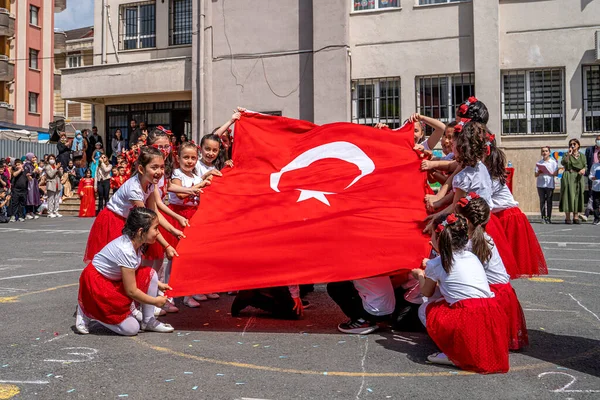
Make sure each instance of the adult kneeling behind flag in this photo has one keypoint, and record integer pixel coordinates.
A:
(304, 204)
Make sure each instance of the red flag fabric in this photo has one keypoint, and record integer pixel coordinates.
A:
(305, 204)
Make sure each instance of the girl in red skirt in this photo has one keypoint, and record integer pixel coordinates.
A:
(477, 213)
(184, 204)
(136, 192)
(87, 195)
(466, 323)
(114, 278)
(526, 249)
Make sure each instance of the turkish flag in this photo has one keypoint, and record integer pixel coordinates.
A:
(305, 204)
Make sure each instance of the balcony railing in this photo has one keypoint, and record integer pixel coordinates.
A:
(7, 69)
(7, 23)
(60, 5)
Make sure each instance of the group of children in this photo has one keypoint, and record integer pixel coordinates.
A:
(462, 295)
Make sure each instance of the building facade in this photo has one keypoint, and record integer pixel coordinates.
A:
(76, 51)
(27, 62)
(533, 63)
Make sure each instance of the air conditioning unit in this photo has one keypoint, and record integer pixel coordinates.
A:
(597, 41)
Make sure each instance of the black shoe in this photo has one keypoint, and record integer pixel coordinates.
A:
(543, 220)
(596, 221)
(237, 306)
(548, 220)
(358, 327)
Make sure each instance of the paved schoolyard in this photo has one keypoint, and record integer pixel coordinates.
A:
(215, 356)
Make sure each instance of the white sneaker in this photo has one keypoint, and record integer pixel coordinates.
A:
(58, 215)
(159, 312)
(12, 219)
(190, 302)
(583, 217)
(28, 216)
(170, 307)
(155, 325)
(81, 322)
(439, 358)
(137, 314)
(51, 215)
(35, 216)
(213, 296)
(200, 297)
(21, 220)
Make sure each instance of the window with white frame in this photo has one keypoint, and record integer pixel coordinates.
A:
(180, 22)
(33, 15)
(591, 98)
(33, 58)
(73, 109)
(438, 96)
(533, 102)
(376, 100)
(137, 25)
(33, 102)
(428, 2)
(362, 5)
(74, 60)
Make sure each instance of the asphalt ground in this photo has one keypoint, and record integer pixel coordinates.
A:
(215, 356)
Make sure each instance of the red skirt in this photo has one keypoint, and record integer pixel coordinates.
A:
(106, 228)
(473, 333)
(186, 212)
(105, 300)
(496, 232)
(523, 242)
(517, 328)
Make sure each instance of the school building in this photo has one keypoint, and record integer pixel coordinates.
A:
(187, 63)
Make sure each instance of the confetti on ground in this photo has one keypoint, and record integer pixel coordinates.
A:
(195, 388)
(195, 340)
(255, 345)
(37, 338)
(70, 391)
(188, 373)
(55, 333)
(566, 369)
(325, 373)
(240, 342)
(342, 341)
(240, 383)
(542, 329)
(49, 375)
(5, 365)
(369, 390)
(453, 372)
(315, 345)
(123, 395)
(169, 380)
(283, 356)
(220, 374)
(189, 345)
(267, 346)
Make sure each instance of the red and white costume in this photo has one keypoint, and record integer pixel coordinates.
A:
(155, 251)
(467, 324)
(525, 247)
(111, 220)
(499, 281)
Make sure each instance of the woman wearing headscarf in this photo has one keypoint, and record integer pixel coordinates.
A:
(33, 185)
(79, 148)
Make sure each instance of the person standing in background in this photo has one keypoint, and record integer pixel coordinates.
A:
(54, 174)
(117, 145)
(572, 183)
(545, 171)
(134, 133)
(592, 156)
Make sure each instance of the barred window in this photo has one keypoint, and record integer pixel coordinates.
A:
(180, 25)
(427, 2)
(137, 25)
(438, 96)
(361, 5)
(33, 58)
(591, 98)
(376, 100)
(533, 102)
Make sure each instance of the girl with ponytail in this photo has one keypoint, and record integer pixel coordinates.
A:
(477, 213)
(466, 322)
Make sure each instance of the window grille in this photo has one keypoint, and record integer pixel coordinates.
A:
(137, 26)
(376, 100)
(180, 22)
(591, 98)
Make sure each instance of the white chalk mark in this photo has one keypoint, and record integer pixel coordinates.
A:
(61, 252)
(26, 382)
(565, 389)
(399, 338)
(11, 290)
(584, 307)
(87, 356)
(24, 259)
(570, 243)
(248, 324)
(8, 267)
(56, 338)
(574, 270)
(565, 249)
(41, 273)
(45, 230)
(575, 259)
(543, 310)
(362, 366)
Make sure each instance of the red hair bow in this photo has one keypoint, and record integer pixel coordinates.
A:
(459, 127)
(464, 107)
(490, 139)
(465, 200)
(450, 219)
(165, 130)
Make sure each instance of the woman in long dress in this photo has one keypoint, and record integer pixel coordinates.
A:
(87, 194)
(572, 183)
(33, 185)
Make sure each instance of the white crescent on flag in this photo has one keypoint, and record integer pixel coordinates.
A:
(345, 151)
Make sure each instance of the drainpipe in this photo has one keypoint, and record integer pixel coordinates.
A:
(201, 77)
(103, 34)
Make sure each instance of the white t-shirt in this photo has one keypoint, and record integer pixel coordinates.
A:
(466, 280)
(118, 253)
(595, 184)
(494, 268)
(187, 182)
(121, 203)
(475, 179)
(448, 157)
(202, 168)
(502, 198)
(377, 295)
(546, 181)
